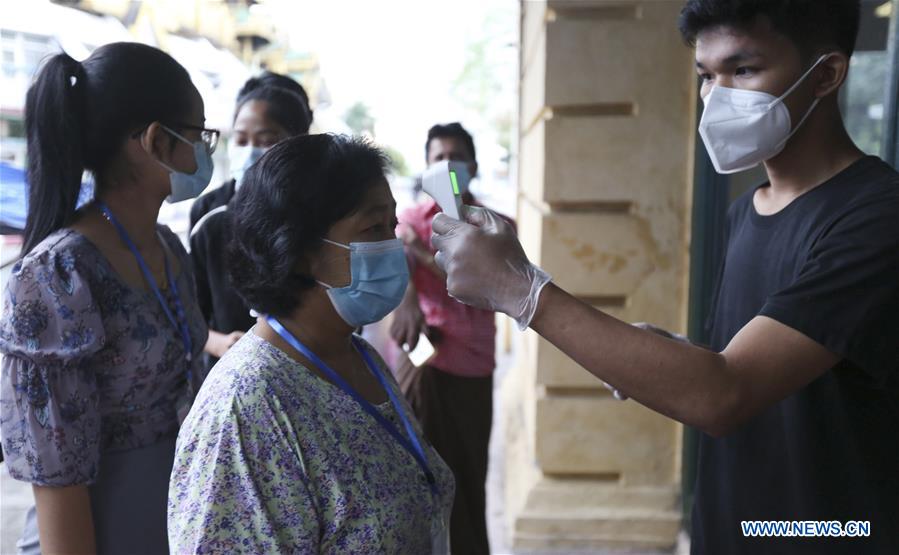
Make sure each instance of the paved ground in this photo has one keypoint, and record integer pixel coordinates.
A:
(15, 498)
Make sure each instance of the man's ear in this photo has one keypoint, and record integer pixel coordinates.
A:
(832, 72)
(473, 169)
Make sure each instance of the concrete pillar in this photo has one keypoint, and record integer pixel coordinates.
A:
(606, 148)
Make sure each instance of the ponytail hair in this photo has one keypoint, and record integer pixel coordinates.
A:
(53, 108)
(78, 116)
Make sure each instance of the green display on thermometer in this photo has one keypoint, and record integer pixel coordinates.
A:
(455, 183)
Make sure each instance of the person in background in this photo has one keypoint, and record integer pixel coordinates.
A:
(452, 393)
(299, 441)
(101, 333)
(246, 145)
(269, 109)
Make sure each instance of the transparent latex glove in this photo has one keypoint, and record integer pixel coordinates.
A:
(485, 265)
(656, 330)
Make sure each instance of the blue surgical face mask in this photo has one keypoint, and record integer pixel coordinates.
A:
(241, 158)
(380, 276)
(187, 185)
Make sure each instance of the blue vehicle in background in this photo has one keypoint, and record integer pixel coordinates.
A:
(14, 198)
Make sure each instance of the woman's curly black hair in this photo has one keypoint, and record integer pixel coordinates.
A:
(290, 200)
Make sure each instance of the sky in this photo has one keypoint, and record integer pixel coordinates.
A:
(402, 57)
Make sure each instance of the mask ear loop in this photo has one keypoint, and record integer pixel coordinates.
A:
(176, 134)
(801, 121)
(181, 138)
(810, 109)
(799, 82)
(336, 244)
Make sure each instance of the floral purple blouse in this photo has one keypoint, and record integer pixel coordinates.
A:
(90, 365)
(274, 459)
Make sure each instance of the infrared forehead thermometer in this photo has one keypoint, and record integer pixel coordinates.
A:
(442, 182)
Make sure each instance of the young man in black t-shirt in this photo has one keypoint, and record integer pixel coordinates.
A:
(815, 249)
(799, 394)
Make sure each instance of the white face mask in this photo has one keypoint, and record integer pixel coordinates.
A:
(240, 158)
(742, 128)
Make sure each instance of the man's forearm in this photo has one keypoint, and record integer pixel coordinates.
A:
(410, 297)
(685, 382)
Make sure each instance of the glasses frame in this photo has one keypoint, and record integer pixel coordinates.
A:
(210, 137)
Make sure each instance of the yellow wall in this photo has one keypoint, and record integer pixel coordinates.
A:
(607, 125)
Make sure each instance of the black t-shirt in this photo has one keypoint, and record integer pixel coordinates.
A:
(224, 309)
(827, 266)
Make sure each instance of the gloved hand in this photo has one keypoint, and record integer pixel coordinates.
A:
(656, 330)
(485, 264)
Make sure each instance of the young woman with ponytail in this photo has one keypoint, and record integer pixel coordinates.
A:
(101, 333)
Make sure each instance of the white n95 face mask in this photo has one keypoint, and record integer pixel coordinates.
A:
(742, 128)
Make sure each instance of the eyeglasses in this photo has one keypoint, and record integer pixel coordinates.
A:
(210, 137)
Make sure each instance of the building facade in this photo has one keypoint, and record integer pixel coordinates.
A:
(605, 210)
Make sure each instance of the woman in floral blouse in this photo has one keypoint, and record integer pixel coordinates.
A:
(101, 330)
(299, 441)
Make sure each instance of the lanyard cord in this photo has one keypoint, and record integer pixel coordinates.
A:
(179, 322)
(412, 445)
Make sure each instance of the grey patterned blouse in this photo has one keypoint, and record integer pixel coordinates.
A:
(90, 364)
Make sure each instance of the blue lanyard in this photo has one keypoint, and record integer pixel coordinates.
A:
(180, 323)
(412, 444)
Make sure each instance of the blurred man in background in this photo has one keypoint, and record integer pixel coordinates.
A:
(452, 392)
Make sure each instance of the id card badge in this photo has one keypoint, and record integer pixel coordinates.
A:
(440, 539)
